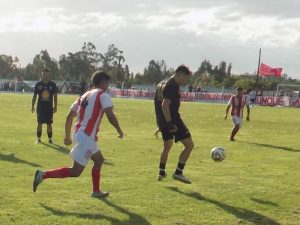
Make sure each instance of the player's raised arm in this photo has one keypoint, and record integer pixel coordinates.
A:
(113, 120)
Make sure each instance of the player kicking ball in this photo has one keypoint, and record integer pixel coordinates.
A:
(91, 108)
(170, 124)
(237, 104)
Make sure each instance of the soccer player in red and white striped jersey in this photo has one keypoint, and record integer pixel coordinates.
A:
(90, 109)
(237, 103)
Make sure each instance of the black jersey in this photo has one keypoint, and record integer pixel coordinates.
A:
(45, 91)
(167, 89)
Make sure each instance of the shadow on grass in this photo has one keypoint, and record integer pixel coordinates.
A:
(264, 202)
(13, 159)
(275, 147)
(240, 213)
(133, 219)
(57, 148)
(93, 216)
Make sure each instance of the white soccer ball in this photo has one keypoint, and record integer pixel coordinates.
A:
(218, 154)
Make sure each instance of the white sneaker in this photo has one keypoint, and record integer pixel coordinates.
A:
(100, 194)
(181, 178)
(161, 177)
(38, 179)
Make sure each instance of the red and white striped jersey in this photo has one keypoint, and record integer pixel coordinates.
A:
(90, 110)
(237, 105)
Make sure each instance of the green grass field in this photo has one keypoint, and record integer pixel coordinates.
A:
(257, 183)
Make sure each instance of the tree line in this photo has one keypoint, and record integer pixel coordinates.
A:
(78, 66)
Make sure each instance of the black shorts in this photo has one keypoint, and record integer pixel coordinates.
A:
(44, 114)
(181, 134)
(253, 100)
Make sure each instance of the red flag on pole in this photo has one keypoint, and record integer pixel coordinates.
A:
(265, 70)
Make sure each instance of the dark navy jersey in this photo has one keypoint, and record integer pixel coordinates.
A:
(167, 89)
(45, 91)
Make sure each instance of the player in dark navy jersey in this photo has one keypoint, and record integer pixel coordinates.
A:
(169, 122)
(46, 90)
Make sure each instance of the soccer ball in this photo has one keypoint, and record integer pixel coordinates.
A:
(218, 154)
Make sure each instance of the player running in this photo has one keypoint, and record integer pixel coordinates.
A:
(237, 104)
(47, 91)
(167, 103)
(91, 108)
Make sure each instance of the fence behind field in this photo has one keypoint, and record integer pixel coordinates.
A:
(208, 97)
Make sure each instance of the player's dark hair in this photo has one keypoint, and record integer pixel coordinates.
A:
(98, 77)
(183, 69)
(46, 70)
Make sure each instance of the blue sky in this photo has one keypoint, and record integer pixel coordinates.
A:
(174, 30)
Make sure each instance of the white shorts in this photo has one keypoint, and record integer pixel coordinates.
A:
(83, 149)
(237, 121)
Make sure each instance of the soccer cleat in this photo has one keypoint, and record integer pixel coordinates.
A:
(38, 179)
(50, 141)
(181, 178)
(100, 194)
(38, 141)
(161, 177)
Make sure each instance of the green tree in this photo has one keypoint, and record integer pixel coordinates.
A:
(111, 61)
(229, 69)
(153, 73)
(245, 83)
(40, 61)
(229, 81)
(79, 65)
(8, 66)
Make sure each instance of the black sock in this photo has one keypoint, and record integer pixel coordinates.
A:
(39, 134)
(180, 167)
(49, 135)
(162, 167)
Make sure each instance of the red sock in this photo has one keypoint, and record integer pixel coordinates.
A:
(96, 179)
(58, 173)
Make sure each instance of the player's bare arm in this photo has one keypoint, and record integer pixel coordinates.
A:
(227, 110)
(113, 120)
(33, 103)
(68, 127)
(166, 110)
(248, 113)
(55, 103)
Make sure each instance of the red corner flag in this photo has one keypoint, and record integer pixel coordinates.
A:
(265, 70)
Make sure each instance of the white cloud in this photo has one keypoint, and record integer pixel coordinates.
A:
(58, 20)
(175, 30)
(267, 30)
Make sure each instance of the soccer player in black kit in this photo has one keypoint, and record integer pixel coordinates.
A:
(47, 92)
(167, 103)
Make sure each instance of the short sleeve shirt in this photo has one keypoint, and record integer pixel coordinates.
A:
(167, 89)
(45, 92)
(237, 105)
